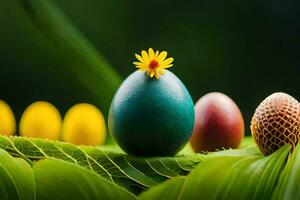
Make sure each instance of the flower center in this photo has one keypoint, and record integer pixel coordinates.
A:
(153, 64)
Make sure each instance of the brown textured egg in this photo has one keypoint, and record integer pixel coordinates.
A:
(276, 122)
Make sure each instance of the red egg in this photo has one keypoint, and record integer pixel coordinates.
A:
(218, 125)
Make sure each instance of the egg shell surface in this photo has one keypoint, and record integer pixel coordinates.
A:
(150, 117)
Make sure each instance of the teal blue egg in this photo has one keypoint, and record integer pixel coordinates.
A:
(151, 117)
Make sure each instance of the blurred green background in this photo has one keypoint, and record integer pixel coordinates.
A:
(245, 49)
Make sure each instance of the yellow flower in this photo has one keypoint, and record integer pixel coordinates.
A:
(153, 63)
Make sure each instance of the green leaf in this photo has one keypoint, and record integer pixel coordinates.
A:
(171, 189)
(57, 179)
(7, 187)
(79, 55)
(135, 174)
(247, 141)
(288, 186)
(257, 177)
(17, 181)
(228, 177)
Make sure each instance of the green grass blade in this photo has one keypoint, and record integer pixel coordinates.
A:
(57, 179)
(80, 56)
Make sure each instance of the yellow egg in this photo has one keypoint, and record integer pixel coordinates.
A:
(41, 120)
(84, 124)
(7, 120)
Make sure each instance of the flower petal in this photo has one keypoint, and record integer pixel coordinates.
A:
(166, 62)
(138, 63)
(162, 56)
(161, 71)
(145, 56)
(152, 74)
(168, 66)
(139, 57)
(151, 53)
(157, 74)
(142, 68)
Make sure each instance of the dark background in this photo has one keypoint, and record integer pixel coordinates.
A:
(245, 49)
